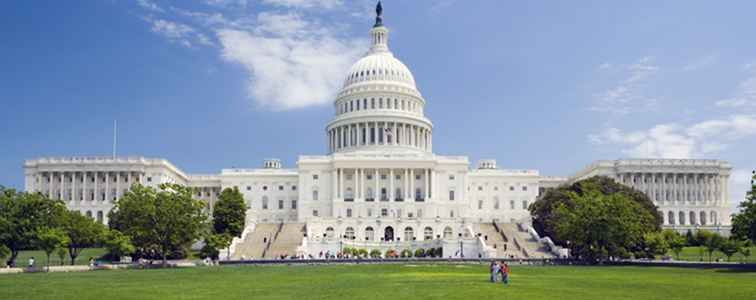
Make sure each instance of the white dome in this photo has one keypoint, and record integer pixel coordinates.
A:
(380, 66)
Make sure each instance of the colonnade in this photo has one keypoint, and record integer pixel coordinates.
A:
(393, 184)
(379, 133)
(671, 188)
(87, 185)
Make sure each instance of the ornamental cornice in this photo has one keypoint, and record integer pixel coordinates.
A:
(381, 116)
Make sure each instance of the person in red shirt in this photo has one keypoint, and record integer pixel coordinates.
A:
(504, 273)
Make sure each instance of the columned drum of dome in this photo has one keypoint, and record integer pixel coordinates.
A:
(379, 107)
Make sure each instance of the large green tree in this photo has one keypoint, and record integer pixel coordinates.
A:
(117, 244)
(49, 240)
(744, 222)
(159, 220)
(543, 209)
(23, 215)
(599, 225)
(82, 231)
(229, 214)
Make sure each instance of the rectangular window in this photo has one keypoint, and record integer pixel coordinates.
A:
(315, 177)
(349, 213)
(480, 204)
(524, 204)
(384, 212)
(280, 187)
(370, 212)
(315, 195)
(315, 213)
(293, 204)
(524, 188)
(280, 204)
(293, 187)
(451, 177)
(451, 195)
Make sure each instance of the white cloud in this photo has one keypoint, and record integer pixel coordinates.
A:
(173, 31)
(745, 96)
(627, 96)
(290, 65)
(149, 5)
(305, 3)
(676, 141)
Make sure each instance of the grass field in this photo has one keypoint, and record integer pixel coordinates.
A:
(384, 282)
(694, 254)
(40, 257)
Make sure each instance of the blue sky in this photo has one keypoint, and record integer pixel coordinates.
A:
(534, 84)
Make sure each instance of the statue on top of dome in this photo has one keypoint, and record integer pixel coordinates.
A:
(379, 15)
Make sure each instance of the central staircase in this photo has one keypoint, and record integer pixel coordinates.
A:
(270, 240)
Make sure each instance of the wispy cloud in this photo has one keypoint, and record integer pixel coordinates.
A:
(627, 95)
(150, 6)
(175, 32)
(673, 140)
(745, 96)
(305, 3)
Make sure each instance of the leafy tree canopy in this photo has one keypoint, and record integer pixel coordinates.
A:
(23, 216)
(229, 213)
(82, 231)
(596, 225)
(159, 220)
(744, 222)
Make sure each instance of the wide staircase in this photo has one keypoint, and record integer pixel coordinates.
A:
(286, 240)
(256, 243)
(496, 239)
(525, 245)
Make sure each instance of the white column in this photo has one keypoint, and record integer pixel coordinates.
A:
(412, 184)
(406, 185)
(362, 184)
(118, 185)
(341, 184)
(130, 180)
(96, 192)
(334, 180)
(107, 186)
(426, 189)
(349, 135)
(376, 194)
(391, 185)
(433, 178)
(395, 130)
(73, 187)
(60, 188)
(375, 135)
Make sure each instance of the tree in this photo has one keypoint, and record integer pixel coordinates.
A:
(162, 220)
(419, 252)
(700, 239)
(655, 244)
(729, 247)
(675, 241)
(213, 242)
(117, 244)
(544, 208)
(745, 250)
(22, 216)
(229, 214)
(690, 240)
(82, 231)
(744, 222)
(4, 252)
(49, 239)
(600, 225)
(712, 243)
(61, 252)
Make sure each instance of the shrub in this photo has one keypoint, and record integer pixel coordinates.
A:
(431, 252)
(375, 253)
(420, 252)
(363, 253)
(406, 253)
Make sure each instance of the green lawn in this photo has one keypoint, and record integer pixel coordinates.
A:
(694, 254)
(40, 257)
(384, 282)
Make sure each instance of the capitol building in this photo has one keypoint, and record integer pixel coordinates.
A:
(381, 186)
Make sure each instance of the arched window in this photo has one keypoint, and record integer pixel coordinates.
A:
(448, 233)
(99, 217)
(682, 218)
(702, 219)
(349, 233)
(330, 233)
(713, 217)
(89, 213)
(692, 218)
(398, 194)
(496, 202)
(428, 233)
(315, 195)
(671, 218)
(408, 234)
(369, 234)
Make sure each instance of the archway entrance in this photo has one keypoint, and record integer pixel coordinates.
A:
(388, 234)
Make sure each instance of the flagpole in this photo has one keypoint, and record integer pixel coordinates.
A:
(115, 137)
